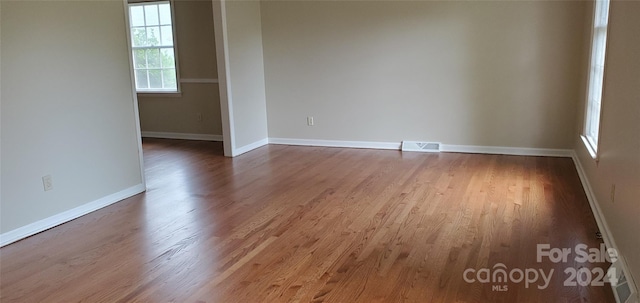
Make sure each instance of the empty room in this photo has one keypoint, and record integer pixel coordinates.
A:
(319, 151)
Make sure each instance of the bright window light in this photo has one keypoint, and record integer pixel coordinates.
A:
(152, 44)
(596, 75)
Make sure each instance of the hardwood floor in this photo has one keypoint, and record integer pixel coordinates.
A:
(309, 224)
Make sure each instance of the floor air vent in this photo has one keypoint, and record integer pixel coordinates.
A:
(428, 147)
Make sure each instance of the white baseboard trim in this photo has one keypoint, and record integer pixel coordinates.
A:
(182, 136)
(521, 151)
(335, 143)
(249, 147)
(66, 216)
(501, 150)
(607, 236)
(591, 197)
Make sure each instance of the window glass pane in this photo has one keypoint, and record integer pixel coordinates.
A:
(596, 72)
(141, 79)
(138, 36)
(601, 40)
(592, 123)
(165, 13)
(168, 59)
(167, 35)
(153, 58)
(169, 78)
(153, 36)
(597, 83)
(139, 58)
(596, 120)
(155, 78)
(602, 13)
(136, 14)
(151, 14)
(597, 41)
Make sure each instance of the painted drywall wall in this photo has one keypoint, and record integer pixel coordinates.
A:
(246, 73)
(67, 107)
(619, 144)
(494, 73)
(197, 110)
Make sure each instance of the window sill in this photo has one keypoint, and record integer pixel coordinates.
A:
(590, 148)
(159, 94)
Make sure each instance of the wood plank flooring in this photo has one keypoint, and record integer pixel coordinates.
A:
(311, 224)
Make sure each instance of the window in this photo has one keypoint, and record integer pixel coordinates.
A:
(596, 75)
(154, 59)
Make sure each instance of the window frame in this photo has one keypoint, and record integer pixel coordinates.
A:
(593, 99)
(154, 92)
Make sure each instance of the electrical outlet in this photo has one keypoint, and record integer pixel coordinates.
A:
(47, 182)
(310, 121)
(613, 193)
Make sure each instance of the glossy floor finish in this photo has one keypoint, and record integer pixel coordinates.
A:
(311, 224)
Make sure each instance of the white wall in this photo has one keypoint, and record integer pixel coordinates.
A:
(245, 67)
(67, 108)
(197, 110)
(619, 146)
(494, 73)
